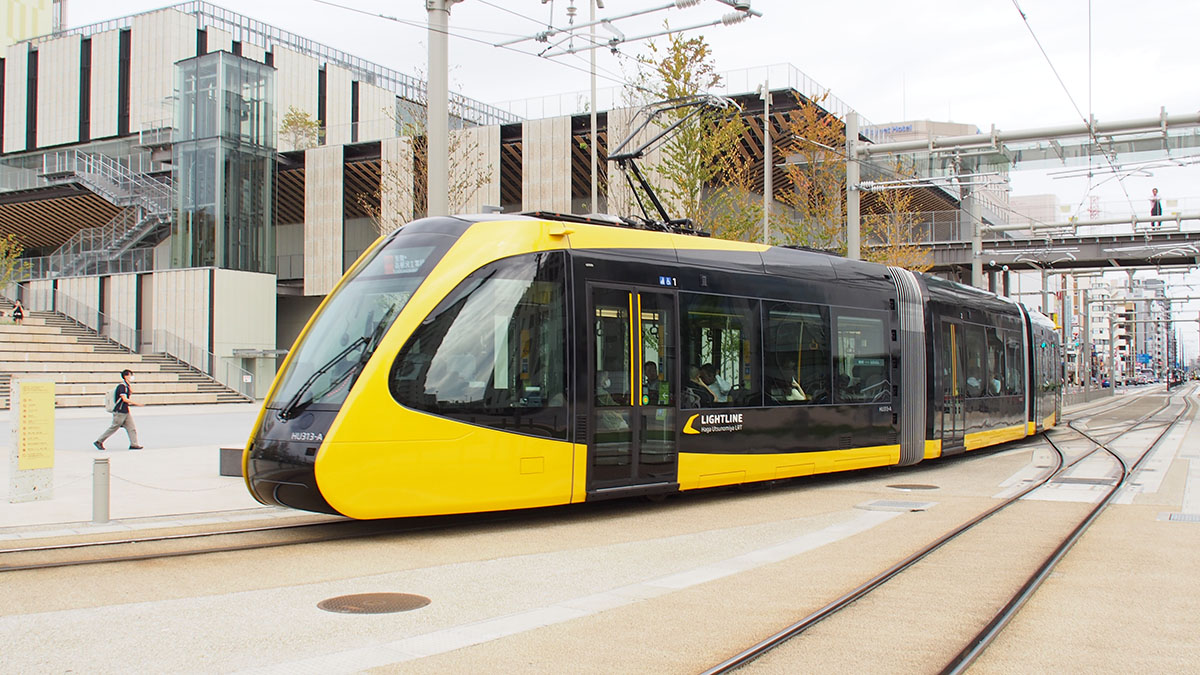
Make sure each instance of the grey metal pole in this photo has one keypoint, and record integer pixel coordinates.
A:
(975, 215)
(437, 108)
(853, 224)
(1112, 351)
(1086, 339)
(595, 203)
(768, 163)
(100, 490)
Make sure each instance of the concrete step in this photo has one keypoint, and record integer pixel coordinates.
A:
(25, 338)
(97, 400)
(108, 377)
(72, 347)
(113, 367)
(67, 357)
(26, 328)
(139, 388)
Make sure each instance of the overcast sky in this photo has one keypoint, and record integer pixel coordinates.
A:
(968, 61)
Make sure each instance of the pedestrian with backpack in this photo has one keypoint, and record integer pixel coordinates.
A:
(117, 402)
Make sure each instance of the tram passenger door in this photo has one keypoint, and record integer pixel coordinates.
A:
(631, 350)
(953, 389)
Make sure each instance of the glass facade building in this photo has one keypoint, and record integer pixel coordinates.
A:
(224, 156)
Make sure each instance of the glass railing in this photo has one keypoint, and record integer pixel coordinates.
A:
(54, 266)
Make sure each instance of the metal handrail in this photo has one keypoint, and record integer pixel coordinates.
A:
(161, 342)
(112, 179)
(148, 203)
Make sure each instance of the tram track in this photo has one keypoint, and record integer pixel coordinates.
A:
(976, 645)
(183, 544)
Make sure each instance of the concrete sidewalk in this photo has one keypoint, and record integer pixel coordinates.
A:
(176, 477)
(174, 480)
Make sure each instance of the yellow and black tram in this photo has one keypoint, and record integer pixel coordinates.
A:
(498, 362)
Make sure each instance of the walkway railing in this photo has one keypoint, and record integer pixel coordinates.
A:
(111, 179)
(156, 341)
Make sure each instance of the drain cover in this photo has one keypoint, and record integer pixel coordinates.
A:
(1184, 517)
(913, 486)
(374, 603)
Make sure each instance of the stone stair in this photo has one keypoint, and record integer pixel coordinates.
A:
(87, 366)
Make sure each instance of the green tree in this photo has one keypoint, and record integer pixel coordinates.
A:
(812, 147)
(889, 230)
(12, 267)
(299, 129)
(469, 172)
(700, 170)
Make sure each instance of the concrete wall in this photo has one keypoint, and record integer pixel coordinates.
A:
(376, 113)
(254, 52)
(38, 295)
(120, 301)
(478, 155)
(243, 318)
(217, 40)
(105, 103)
(16, 77)
(58, 91)
(337, 105)
(295, 85)
(181, 299)
(323, 208)
(158, 40)
(546, 165)
(396, 182)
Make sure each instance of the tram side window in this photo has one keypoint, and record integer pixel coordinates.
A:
(1015, 364)
(975, 353)
(720, 339)
(495, 344)
(861, 373)
(796, 357)
(995, 359)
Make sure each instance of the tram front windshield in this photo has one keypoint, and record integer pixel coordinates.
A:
(327, 361)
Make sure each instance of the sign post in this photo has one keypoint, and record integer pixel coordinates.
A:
(31, 462)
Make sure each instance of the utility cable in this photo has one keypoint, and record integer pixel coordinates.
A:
(451, 33)
(1086, 121)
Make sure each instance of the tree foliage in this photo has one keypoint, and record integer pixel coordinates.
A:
(701, 167)
(812, 149)
(890, 230)
(469, 172)
(299, 129)
(12, 267)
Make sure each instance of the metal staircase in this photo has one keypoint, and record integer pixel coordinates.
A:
(147, 208)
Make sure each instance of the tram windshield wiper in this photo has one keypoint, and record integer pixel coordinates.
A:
(293, 406)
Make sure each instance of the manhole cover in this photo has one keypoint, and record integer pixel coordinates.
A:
(374, 603)
(913, 486)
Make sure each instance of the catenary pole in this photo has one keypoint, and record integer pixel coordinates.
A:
(768, 164)
(853, 241)
(437, 108)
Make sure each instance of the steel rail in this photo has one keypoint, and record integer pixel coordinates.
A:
(750, 654)
(347, 529)
(985, 637)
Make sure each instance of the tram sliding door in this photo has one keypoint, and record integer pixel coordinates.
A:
(631, 351)
(953, 388)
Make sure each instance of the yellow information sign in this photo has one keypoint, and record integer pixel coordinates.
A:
(35, 442)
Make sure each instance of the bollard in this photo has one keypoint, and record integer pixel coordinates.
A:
(100, 490)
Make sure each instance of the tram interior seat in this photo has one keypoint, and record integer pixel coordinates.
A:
(869, 383)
